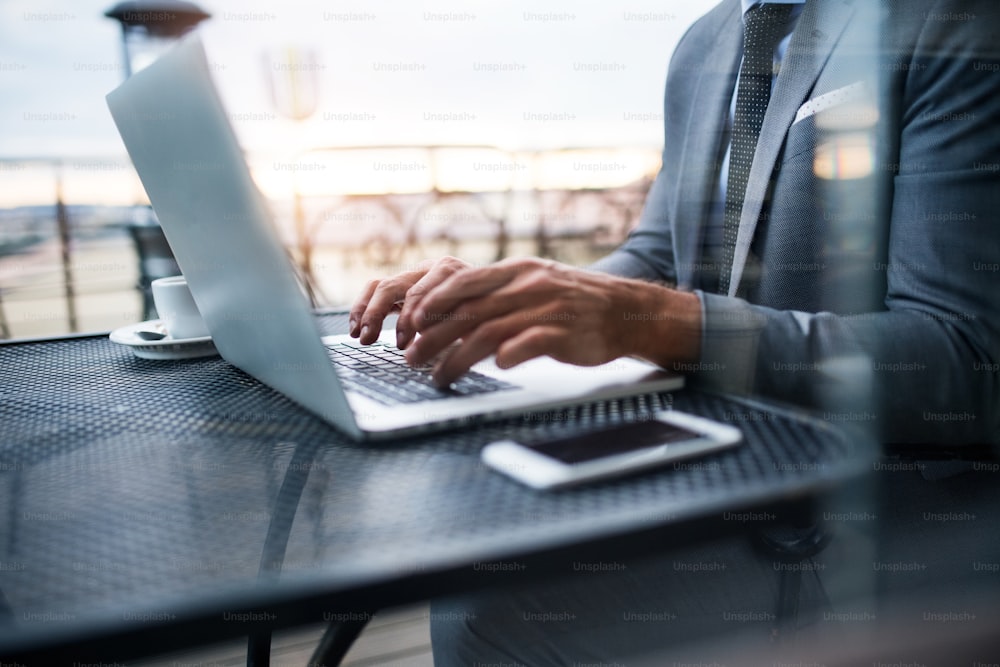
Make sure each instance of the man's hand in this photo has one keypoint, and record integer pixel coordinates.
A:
(519, 309)
(400, 293)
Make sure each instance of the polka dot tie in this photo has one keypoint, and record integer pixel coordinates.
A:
(763, 27)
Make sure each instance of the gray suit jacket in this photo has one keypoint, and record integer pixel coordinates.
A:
(874, 297)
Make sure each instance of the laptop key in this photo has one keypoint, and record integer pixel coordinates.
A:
(380, 372)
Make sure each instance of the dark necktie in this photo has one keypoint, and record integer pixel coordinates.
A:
(764, 26)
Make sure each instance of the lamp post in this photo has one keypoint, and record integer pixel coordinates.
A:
(150, 26)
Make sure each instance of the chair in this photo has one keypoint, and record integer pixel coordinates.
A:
(156, 259)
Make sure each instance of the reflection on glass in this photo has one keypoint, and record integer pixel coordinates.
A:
(292, 76)
(845, 156)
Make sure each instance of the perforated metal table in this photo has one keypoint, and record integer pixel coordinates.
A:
(151, 505)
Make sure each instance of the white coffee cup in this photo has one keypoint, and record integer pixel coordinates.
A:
(177, 309)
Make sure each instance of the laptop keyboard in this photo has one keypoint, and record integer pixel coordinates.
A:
(380, 372)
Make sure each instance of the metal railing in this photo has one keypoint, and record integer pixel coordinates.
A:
(77, 231)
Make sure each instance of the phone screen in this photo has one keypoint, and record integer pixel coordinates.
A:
(614, 440)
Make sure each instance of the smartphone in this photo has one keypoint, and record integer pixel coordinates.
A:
(670, 435)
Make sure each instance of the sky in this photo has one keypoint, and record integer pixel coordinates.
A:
(517, 74)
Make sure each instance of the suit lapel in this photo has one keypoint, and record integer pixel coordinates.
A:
(703, 145)
(820, 26)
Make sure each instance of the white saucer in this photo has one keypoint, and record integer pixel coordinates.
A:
(165, 348)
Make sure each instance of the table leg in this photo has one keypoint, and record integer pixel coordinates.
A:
(792, 541)
(259, 649)
(337, 641)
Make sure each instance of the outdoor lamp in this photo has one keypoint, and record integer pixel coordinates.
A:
(150, 26)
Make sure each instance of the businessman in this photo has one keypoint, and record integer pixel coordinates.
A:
(826, 221)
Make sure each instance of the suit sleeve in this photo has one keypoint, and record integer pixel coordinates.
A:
(648, 252)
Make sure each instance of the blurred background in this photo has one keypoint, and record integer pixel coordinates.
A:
(381, 132)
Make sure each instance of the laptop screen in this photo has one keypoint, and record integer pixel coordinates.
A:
(220, 229)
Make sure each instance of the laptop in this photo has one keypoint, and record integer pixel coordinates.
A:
(219, 226)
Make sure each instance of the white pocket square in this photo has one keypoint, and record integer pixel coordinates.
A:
(831, 99)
